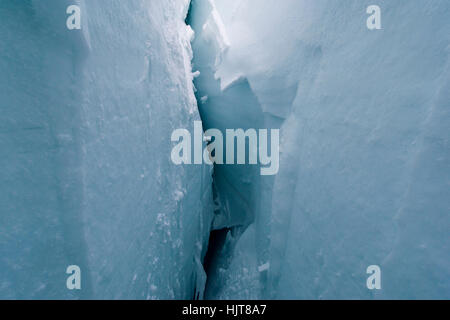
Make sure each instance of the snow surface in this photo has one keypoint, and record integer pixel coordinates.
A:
(365, 156)
(85, 139)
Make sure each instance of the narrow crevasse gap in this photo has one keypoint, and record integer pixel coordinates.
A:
(238, 189)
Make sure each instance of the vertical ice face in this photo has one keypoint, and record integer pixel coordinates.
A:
(40, 142)
(87, 179)
(368, 139)
(364, 170)
(85, 126)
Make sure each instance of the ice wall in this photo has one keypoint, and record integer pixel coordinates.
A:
(364, 170)
(85, 125)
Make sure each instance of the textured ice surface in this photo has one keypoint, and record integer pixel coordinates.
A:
(86, 177)
(365, 156)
